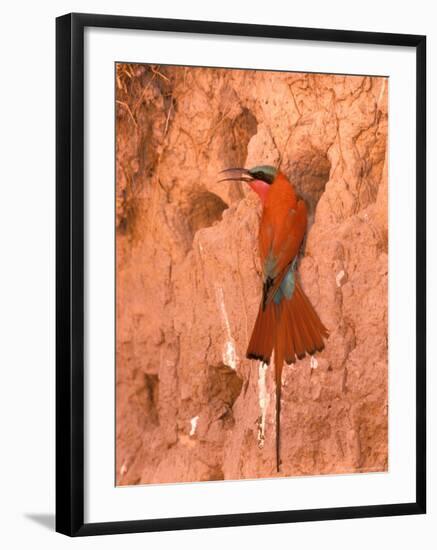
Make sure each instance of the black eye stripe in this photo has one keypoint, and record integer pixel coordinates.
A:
(263, 176)
(267, 175)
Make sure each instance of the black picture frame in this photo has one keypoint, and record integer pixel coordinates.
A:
(70, 273)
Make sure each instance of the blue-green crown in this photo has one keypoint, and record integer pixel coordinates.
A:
(265, 173)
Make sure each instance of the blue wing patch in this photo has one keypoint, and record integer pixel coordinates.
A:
(287, 286)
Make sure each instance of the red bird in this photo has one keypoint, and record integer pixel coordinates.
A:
(287, 322)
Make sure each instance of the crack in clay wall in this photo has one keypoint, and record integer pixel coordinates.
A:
(264, 401)
(230, 356)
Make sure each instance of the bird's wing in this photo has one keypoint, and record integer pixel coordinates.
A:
(279, 242)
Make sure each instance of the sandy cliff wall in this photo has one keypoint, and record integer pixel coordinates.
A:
(189, 405)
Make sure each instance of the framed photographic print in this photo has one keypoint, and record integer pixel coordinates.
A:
(240, 274)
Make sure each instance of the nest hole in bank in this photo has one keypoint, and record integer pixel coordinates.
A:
(203, 210)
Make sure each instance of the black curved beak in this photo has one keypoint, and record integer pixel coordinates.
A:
(241, 174)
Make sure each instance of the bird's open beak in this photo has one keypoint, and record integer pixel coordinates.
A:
(239, 174)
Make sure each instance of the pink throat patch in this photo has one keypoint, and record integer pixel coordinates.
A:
(261, 188)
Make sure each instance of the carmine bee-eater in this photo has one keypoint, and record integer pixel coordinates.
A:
(287, 323)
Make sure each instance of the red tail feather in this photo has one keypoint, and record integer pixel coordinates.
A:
(291, 328)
